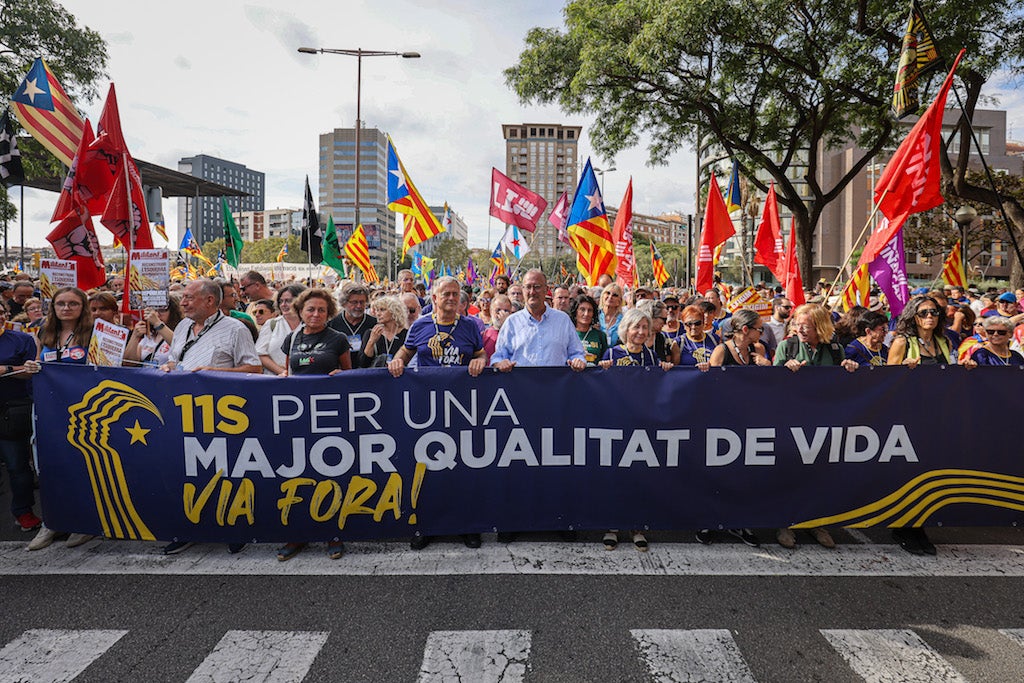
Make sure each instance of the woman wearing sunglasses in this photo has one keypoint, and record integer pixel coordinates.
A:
(996, 348)
(919, 338)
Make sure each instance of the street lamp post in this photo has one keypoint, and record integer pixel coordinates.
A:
(964, 216)
(601, 173)
(358, 53)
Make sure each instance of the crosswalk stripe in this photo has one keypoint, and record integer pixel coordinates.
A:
(479, 656)
(393, 558)
(891, 656)
(675, 656)
(53, 656)
(1014, 634)
(261, 657)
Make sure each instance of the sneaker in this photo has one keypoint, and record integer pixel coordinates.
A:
(823, 537)
(419, 542)
(175, 547)
(705, 536)
(610, 540)
(75, 540)
(235, 548)
(747, 536)
(471, 540)
(640, 541)
(28, 521)
(910, 541)
(335, 549)
(926, 545)
(786, 538)
(44, 538)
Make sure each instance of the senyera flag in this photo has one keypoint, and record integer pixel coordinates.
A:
(953, 268)
(912, 180)
(513, 204)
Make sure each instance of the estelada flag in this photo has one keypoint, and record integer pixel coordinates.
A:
(420, 223)
(588, 229)
(513, 204)
(912, 180)
(953, 268)
(717, 229)
(47, 113)
(768, 245)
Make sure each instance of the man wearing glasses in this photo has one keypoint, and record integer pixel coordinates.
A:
(538, 335)
(775, 327)
(206, 339)
(253, 287)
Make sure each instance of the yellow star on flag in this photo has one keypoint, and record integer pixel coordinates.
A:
(138, 433)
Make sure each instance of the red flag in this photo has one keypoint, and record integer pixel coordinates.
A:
(911, 181)
(75, 239)
(75, 192)
(793, 282)
(622, 234)
(122, 217)
(100, 166)
(718, 228)
(768, 245)
(513, 204)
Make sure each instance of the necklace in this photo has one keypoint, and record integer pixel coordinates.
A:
(1004, 360)
(739, 354)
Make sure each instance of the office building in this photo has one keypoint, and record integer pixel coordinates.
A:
(456, 230)
(337, 190)
(543, 158)
(258, 225)
(204, 216)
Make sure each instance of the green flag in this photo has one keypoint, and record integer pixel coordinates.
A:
(332, 252)
(232, 238)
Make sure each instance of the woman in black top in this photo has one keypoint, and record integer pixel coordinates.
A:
(315, 349)
(385, 339)
(745, 347)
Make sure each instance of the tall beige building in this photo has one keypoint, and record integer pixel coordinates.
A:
(543, 158)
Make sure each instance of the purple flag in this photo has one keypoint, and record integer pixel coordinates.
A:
(471, 275)
(559, 215)
(889, 270)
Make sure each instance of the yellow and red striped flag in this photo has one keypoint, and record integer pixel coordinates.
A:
(858, 290)
(588, 230)
(658, 266)
(953, 268)
(420, 223)
(47, 113)
(357, 251)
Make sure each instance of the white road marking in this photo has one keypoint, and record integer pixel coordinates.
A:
(260, 657)
(53, 656)
(1014, 634)
(695, 656)
(478, 656)
(393, 558)
(891, 656)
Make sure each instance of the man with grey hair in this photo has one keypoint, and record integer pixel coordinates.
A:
(353, 319)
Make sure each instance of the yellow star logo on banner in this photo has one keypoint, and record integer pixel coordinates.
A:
(138, 433)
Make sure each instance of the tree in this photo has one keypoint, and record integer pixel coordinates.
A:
(77, 55)
(452, 252)
(772, 82)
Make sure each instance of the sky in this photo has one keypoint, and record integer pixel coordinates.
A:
(224, 78)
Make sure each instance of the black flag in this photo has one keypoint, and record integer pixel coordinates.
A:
(312, 234)
(11, 170)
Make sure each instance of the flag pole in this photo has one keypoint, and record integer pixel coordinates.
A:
(21, 218)
(853, 246)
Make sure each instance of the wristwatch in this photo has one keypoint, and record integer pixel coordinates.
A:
(159, 327)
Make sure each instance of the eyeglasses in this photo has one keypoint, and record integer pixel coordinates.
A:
(997, 332)
(785, 308)
(979, 324)
(694, 323)
(67, 304)
(672, 308)
(658, 317)
(246, 286)
(928, 313)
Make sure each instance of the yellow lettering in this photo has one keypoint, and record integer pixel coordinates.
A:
(188, 425)
(324, 489)
(243, 503)
(194, 508)
(205, 405)
(390, 498)
(360, 490)
(234, 420)
(285, 502)
(222, 500)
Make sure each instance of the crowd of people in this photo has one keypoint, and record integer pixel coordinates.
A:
(253, 325)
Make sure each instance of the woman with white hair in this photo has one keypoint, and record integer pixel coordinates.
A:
(996, 349)
(634, 329)
(383, 340)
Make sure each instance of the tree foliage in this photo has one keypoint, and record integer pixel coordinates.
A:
(774, 83)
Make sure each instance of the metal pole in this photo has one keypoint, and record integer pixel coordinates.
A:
(359, 125)
(21, 216)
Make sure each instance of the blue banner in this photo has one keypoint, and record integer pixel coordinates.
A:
(136, 453)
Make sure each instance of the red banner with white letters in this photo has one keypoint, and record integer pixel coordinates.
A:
(513, 204)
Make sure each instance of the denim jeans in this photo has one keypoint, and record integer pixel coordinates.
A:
(16, 456)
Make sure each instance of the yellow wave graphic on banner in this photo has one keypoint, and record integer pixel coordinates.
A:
(913, 503)
(89, 432)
